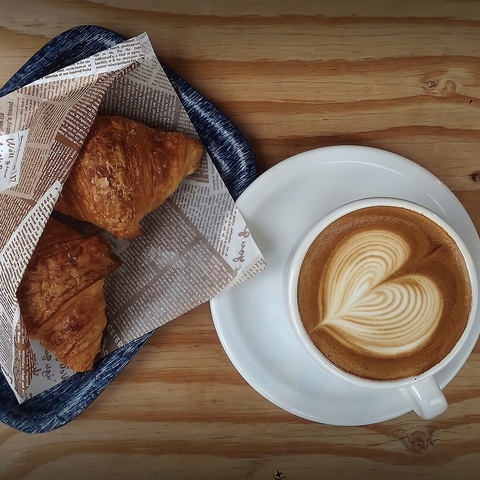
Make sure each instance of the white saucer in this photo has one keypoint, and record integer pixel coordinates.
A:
(251, 319)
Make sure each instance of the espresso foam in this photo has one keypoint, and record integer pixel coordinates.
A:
(384, 293)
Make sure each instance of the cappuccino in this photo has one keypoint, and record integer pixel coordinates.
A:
(384, 293)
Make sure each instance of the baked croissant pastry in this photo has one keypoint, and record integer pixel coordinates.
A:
(61, 294)
(124, 171)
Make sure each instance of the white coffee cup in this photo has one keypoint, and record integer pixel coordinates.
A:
(422, 392)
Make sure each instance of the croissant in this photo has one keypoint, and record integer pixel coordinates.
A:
(61, 294)
(124, 171)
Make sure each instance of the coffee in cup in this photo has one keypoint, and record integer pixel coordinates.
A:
(383, 294)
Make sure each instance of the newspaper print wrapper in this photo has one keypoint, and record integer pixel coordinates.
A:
(193, 247)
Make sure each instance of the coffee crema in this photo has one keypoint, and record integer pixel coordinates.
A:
(384, 293)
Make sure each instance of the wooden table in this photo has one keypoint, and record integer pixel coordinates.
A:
(292, 75)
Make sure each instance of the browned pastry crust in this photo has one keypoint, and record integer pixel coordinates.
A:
(124, 171)
(61, 294)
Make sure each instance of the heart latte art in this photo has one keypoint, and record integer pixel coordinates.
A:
(384, 293)
(363, 308)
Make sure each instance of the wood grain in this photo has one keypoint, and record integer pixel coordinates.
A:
(402, 76)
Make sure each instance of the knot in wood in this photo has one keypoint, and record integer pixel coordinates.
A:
(418, 442)
(475, 176)
(431, 84)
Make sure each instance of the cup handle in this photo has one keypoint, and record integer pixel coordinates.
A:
(426, 398)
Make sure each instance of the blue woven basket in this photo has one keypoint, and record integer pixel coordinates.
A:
(229, 152)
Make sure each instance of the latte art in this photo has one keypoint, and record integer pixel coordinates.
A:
(366, 310)
(384, 293)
